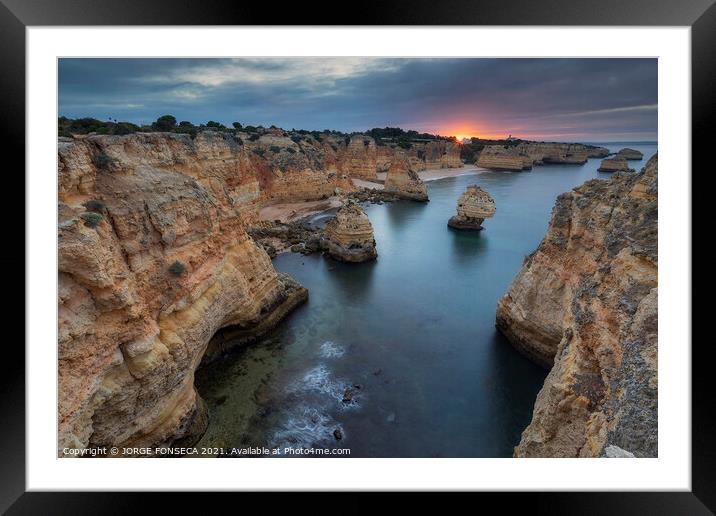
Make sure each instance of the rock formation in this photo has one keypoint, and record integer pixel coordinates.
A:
(585, 304)
(421, 155)
(153, 260)
(349, 236)
(360, 158)
(614, 165)
(526, 154)
(473, 207)
(630, 154)
(404, 182)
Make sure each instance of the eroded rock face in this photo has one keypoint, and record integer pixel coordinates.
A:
(349, 236)
(421, 155)
(473, 207)
(153, 260)
(630, 154)
(614, 165)
(404, 182)
(359, 159)
(525, 155)
(585, 303)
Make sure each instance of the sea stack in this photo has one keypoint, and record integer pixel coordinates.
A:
(349, 236)
(473, 207)
(614, 165)
(404, 182)
(630, 154)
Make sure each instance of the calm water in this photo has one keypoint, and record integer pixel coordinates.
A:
(415, 330)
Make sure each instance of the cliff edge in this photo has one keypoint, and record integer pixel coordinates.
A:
(585, 304)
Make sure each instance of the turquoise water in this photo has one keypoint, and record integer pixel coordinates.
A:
(412, 334)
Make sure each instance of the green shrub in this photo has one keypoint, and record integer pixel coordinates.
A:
(259, 152)
(237, 126)
(239, 140)
(165, 123)
(254, 137)
(91, 219)
(94, 205)
(275, 148)
(291, 150)
(177, 268)
(296, 139)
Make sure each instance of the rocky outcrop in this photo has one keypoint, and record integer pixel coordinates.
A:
(403, 181)
(630, 154)
(526, 154)
(423, 155)
(585, 303)
(153, 260)
(473, 207)
(359, 159)
(614, 165)
(349, 236)
(496, 160)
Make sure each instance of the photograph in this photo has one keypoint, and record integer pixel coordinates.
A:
(357, 257)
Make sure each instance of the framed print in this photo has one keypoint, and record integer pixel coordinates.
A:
(417, 253)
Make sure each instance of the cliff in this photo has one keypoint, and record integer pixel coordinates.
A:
(421, 155)
(359, 158)
(585, 304)
(473, 206)
(349, 236)
(404, 182)
(153, 260)
(526, 154)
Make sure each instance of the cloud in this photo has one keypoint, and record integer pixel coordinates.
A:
(600, 97)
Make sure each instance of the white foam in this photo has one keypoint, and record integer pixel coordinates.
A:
(330, 349)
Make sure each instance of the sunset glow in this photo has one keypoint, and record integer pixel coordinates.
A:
(356, 95)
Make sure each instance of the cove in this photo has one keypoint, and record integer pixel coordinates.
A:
(411, 335)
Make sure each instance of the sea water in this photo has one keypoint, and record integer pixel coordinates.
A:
(411, 335)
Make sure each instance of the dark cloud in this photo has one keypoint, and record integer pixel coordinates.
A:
(578, 99)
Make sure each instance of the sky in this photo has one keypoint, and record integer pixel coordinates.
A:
(596, 100)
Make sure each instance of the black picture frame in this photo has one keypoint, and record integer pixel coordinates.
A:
(16, 15)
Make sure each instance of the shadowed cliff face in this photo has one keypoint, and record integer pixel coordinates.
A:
(526, 154)
(585, 304)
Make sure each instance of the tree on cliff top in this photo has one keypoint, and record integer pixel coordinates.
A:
(165, 123)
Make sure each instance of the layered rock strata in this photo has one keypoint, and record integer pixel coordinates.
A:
(525, 155)
(473, 207)
(360, 158)
(349, 236)
(403, 181)
(154, 259)
(585, 304)
(614, 165)
(630, 154)
(421, 155)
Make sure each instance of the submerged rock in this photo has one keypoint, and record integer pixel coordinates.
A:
(349, 236)
(614, 165)
(585, 304)
(473, 207)
(402, 181)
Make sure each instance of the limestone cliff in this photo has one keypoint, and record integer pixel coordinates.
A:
(525, 155)
(585, 303)
(349, 236)
(429, 155)
(359, 158)
(404, 182)
(153, 260)
(473, 206)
